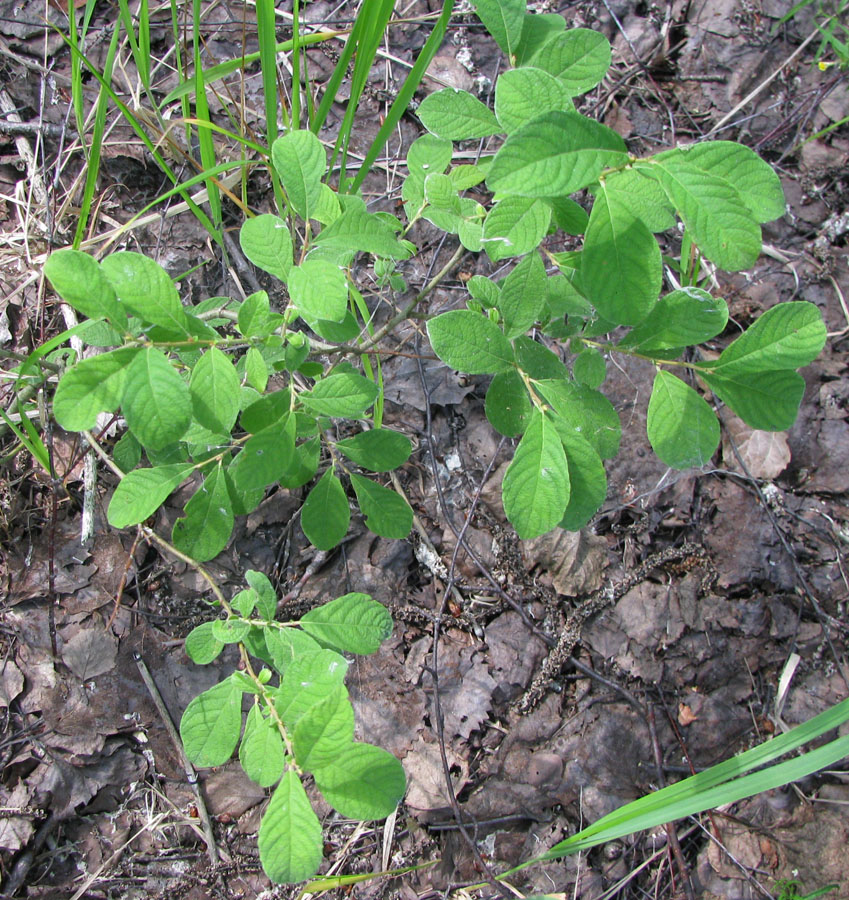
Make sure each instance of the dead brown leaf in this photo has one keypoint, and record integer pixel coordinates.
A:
(766, 454)
(572, 561)
(90, 652)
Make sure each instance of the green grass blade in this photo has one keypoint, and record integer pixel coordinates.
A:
(134, 123)
(296, 65)
(181, 72)
(144, 44)
(375, 17)
(265, 24)
(724, 783)
(222, 70)
(35, 447)
(405, 95)
(205, 142)
(93, 167)
(699, 801)
(77, 40)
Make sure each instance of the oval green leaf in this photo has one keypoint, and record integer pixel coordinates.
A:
(352, 623)
(682, 428)
(535, 491)
(290, 845)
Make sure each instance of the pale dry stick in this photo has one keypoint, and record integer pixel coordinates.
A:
(761, 87)
(842, 301)
(188, 768)
(22, 145)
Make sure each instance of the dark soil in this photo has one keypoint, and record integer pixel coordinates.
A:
(95, 803)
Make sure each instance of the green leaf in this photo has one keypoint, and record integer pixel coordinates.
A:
(682, 428)
(326, 515)
(523, 94)
(537, 30)
(522, 295)
(538, 361)
(515, 226)
(508, 406)
(244, 602)
(308, 679)
(92, 386)
(352, 623)
(77, 278)
(156, 401)
(215, 391)
(587, 481)
(266, 601)
(568, 215)
(378, 450)
(244, 500)
(768, 401)
(230, 631)
(426, 155)
(535, 491)
(439, 192)
(387, 513)
(266, 411)
(503, 19)
(300, 160)
(255, 318)
(713, 212)
(304, 465)
(202, 646)
(141, 492)
(643, 197)
(555, 154)
(256, 370)
(261, 752)
(324, 731)
(357, 230)
(563, 299)
(579, 58)
(266, 242)
(327, 209)
(587, 412)
(208, 522)
(146, 290)
(345, 394)
(621, 266)
(485, 291)
(127, 452)
(469, 342)
(680, 319)
(211, 725)
(589, 368)
(364, 783)
(787, 336)
(285, 644)
(265, 456)
(290, 845)
(755, 181)
(456, 115)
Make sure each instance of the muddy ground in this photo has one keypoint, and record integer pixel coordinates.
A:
(95, 803)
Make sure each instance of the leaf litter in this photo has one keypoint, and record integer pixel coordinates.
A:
(83, 735)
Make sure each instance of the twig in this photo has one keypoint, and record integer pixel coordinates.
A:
(188, 768)
(762, 86)
(34, 128)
